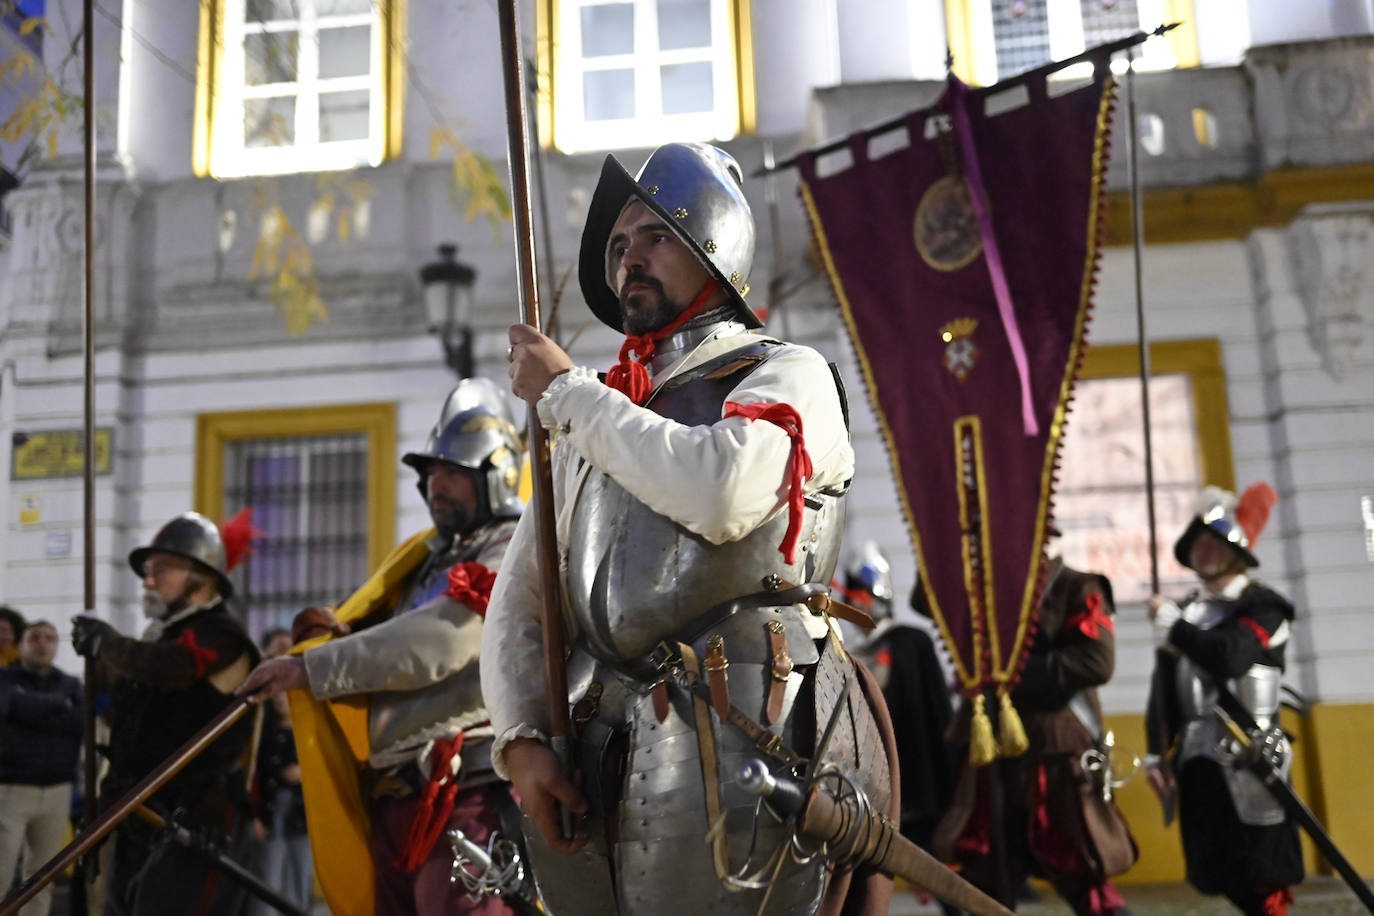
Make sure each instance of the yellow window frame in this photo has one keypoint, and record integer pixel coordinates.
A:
(210, 58)
(1200, 360)
(546, 33)
(959, 32)
(376, 421)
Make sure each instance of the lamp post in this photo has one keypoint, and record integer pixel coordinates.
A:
(448, 285)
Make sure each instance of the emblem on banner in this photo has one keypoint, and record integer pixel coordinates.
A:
(961, 353)
(947, 234)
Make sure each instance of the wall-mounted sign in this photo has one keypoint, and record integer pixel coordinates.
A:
(59, 453)
(30, 509)
(57, 544)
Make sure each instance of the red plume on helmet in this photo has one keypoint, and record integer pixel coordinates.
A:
(1252, 512)
(237, 534)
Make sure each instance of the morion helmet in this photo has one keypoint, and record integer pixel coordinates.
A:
(475, 431)
(696, 190)
(1238, 522)
(868, 580)
(195, 537)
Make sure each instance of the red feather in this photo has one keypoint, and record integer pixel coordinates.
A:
(238, 534)
(1252, 512)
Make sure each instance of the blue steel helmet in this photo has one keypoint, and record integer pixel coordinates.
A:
(696, 190)
(475, 431)
(1216, 513)
(194, 537)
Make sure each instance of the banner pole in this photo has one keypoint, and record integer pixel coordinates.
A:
(1142, 339)
(88, 784)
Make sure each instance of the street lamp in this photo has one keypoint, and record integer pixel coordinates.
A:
(448, 287)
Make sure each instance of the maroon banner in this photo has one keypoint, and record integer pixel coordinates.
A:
(967, 287)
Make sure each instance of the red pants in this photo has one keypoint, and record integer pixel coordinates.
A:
(427, 891)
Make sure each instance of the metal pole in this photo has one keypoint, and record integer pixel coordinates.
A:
(1102, 52)
(770, 195)
(1142, 339)
(537, 159)
(88, 342)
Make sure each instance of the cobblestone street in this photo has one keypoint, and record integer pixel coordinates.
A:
(1319, 896)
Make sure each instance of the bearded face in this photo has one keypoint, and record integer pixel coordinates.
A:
(644, 306)
(452, 497)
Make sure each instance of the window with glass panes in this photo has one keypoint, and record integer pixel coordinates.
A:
(300, 86)
(1012, 36)
(644, 72)
(309, 502)
(1100, 502)
(321, 484)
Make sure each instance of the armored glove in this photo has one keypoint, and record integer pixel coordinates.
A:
(90, 634)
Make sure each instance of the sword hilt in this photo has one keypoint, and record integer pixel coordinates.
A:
(784, 795)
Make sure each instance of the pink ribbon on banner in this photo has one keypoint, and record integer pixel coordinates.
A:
(973, 178)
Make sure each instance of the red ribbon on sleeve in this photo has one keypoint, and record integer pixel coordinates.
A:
(204, 656)
(799, 469)
(471, 584)
(1088, 620)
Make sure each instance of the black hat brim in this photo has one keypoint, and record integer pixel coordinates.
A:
(139, 556)
(613, 192)
(1184, 545)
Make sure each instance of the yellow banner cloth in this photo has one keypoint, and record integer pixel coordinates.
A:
(331, 746)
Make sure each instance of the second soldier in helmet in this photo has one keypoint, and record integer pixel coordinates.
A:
(417, 669)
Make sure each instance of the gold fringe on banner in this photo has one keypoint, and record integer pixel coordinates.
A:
(1013, 742)
(982, 748)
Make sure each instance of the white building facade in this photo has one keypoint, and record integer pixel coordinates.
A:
(224, 127)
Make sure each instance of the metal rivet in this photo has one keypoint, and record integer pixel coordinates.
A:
(680, 213)
(734, 278)
(652, 189)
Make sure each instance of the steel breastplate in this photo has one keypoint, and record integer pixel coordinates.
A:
(1204, 734)
(635, 576)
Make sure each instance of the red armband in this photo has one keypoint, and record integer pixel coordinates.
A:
(799, 469)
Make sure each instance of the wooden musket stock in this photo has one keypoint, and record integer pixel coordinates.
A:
(128, 804)
(854, 833)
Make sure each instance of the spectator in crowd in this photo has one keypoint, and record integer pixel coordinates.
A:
(11, 632)
(40, 736)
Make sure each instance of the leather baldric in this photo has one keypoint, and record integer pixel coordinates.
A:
(716, 678)
(780, 666)
(710, 761)
(668, 659)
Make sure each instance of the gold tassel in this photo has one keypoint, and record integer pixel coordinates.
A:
(982, 749)
(1014, 742)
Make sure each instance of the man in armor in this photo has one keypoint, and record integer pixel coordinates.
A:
(428, 768)
(1237, 838)
(699, 496)
(906, 664)
(166, 686)
(1058, 820)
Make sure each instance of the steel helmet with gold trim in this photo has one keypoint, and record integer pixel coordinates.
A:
(476, 431)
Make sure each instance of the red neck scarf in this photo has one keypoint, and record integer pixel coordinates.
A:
(629, 376)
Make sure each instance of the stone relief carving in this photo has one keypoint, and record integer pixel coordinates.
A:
(1312, 101)
(1329, 252)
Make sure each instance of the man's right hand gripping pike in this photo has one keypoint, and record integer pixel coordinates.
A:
(697, 490)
